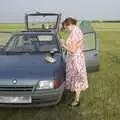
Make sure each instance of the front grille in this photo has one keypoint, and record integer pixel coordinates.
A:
(16, 88)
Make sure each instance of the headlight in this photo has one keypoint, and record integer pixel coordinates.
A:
(45, 85)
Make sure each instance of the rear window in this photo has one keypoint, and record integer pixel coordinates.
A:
(90, 42)
(42, 22)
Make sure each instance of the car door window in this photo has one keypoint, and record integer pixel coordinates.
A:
(90, 41)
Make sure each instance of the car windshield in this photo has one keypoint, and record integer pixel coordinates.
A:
(31, 43)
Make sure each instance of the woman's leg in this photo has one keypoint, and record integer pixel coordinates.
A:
(77, 98)
(77, 94)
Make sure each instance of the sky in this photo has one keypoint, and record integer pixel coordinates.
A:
(14, 10)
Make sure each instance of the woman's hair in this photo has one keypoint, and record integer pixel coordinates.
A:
(63, 27)
(69, 21)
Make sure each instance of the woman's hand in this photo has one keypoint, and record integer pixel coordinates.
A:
(62, 41)
(75, 46)
(65, 46)
(71, 48)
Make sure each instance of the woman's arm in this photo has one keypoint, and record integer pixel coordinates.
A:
(73, 48)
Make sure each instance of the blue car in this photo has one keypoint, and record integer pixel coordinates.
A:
(32, 63)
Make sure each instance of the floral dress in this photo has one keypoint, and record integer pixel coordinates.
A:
(76, 75)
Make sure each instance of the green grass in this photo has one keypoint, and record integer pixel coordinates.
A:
(107, 26)
(11, 27)
(100, 102)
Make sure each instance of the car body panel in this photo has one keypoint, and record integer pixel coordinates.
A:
(27, 67)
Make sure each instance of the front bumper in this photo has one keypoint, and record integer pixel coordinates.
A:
(39, 98)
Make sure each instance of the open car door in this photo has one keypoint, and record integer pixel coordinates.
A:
(42, 21)
(92, 51)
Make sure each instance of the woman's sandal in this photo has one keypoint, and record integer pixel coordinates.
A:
(75, 103)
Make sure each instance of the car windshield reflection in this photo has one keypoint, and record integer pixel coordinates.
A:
(31, 43)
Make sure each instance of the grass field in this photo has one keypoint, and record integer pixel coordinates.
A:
(100, 102)
(11, 27)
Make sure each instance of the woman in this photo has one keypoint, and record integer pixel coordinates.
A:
(76, 75)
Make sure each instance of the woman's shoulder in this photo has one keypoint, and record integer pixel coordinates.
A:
(77, 30)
